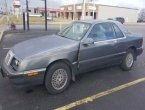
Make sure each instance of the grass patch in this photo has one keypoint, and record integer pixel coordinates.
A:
(33, 20)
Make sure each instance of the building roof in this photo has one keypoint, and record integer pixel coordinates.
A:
(48, 9)
(102, 5)
(117, 6)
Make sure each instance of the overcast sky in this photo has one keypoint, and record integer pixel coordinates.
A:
(56, 3)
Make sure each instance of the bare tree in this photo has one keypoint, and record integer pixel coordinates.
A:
(141, 14)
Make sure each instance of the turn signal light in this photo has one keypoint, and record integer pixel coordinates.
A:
(32, 74)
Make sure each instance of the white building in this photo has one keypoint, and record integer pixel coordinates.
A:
(98, 12)
(130, 14)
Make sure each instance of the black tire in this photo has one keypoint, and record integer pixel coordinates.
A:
(124, 65)
(50, 74)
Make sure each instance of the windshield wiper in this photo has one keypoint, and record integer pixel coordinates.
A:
(60, 35)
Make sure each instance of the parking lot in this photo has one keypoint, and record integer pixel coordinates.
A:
(87, 85)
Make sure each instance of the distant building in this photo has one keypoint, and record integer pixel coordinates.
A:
(97, 11)
(53, 12)
(16, 7)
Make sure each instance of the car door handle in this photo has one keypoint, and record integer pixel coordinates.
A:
(86, 45)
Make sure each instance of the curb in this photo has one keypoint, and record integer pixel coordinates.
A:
(1, 35)
(134, 24)
(1, 38)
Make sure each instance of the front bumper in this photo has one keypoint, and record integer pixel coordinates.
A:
(20, 78)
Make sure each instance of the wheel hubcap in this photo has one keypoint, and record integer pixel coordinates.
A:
(59, 79)
(129, 60)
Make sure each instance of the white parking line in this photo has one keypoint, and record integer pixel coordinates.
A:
(6, 48)
(101, 94)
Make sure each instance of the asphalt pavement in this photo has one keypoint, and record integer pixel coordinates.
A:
(86, 85)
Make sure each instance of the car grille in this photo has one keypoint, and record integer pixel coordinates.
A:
(9, 57)
(10, 60)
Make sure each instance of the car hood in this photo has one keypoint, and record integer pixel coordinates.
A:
(38, 46)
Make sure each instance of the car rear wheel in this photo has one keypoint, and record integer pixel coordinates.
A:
(57, 78)
(128, 60)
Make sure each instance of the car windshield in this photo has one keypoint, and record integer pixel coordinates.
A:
(75, 31)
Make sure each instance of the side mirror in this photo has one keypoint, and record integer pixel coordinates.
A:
(88, 41)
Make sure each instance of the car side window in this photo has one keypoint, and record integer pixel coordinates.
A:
(101, 32)
(118, 32)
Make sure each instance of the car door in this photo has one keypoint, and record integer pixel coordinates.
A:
(101, 51)
(122, 42)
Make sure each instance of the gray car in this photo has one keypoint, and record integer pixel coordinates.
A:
(82, 46)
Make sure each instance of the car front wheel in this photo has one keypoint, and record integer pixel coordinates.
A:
(128, 60)
(57, 78)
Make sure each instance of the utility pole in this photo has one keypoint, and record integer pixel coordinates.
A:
(74, 10)
(93, 9)
(6, 9)
(83, 10)
(46, 15)
(27, 10)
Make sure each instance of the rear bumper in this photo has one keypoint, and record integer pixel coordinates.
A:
(20, 78)
(139, 51)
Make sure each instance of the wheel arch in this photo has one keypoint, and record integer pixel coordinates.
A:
(64, 61)
(134, 49)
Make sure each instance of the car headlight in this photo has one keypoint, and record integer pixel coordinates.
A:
(15, 63)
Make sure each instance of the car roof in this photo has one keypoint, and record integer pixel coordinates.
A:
(121, 26)
(97, 21)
